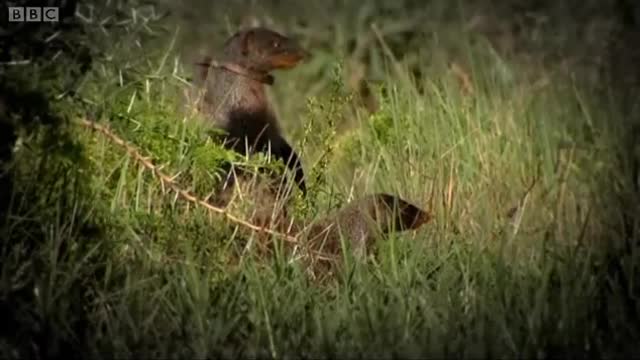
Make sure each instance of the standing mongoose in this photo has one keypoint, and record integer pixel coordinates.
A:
(234, 96)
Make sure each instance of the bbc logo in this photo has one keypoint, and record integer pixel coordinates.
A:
(33, 14)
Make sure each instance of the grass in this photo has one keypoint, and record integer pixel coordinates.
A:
(518, 161)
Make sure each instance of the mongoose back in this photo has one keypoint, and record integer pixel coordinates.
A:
(362, 221)
(236, 101)
(359, 222)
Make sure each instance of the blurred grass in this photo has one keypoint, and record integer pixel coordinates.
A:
(508, 149)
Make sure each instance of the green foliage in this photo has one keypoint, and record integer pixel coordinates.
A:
(100, 259)
(321, 133)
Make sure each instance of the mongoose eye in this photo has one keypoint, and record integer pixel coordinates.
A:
(276, 44)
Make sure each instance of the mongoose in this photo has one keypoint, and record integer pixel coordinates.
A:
(235, 99)
(359, 223)
(362, 221)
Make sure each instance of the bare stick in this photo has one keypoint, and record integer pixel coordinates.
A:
(167, 180)
(235, 68)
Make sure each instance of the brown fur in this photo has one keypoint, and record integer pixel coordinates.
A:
(360, 223)
(260, 198)
(238, 104)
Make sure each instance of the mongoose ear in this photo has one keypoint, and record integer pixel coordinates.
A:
(247, 40)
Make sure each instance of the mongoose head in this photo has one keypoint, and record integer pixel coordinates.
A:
(264, 50)
(395, 214)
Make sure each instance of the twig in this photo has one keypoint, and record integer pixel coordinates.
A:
(168, 181)
(16, 62)
(208, 62)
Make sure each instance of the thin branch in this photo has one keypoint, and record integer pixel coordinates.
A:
(168, 181)
(238, 69)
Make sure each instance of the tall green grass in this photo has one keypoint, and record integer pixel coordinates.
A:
(99, 257)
